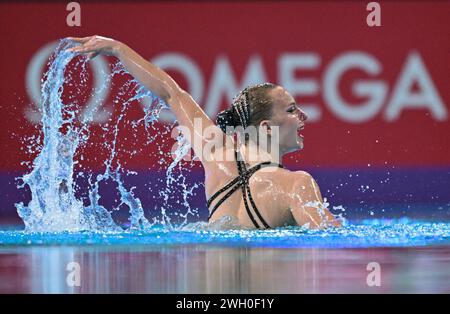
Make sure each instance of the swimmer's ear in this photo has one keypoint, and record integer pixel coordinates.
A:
(266, 125)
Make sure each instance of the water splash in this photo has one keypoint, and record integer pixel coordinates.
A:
(183, 148)
(54, 206)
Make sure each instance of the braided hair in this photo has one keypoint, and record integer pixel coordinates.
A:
(251, 106)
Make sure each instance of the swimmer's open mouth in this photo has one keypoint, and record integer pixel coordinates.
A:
(299, 130)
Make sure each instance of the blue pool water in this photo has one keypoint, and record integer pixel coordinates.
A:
(414, 257)
(362, 234)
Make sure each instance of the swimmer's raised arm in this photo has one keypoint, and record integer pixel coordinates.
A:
(182, 104)
(307, 204)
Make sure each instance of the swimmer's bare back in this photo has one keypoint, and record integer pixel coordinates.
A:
(282, 197)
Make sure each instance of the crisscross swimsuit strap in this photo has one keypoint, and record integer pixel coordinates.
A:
(242, 181)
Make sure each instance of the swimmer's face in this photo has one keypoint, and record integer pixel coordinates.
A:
(289, 118)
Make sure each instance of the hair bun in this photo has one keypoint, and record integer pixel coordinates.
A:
(226, 119)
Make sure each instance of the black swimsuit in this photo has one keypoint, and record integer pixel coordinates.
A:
(242, 182)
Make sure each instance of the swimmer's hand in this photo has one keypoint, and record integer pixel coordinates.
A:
(95, 45)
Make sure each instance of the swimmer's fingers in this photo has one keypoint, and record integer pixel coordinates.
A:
(93, 46)
(80, 40)
(81, 49)
(87, 47)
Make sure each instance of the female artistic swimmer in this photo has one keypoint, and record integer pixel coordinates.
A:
(269, 198)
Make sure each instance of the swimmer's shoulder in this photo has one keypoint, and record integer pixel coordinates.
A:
(301, 175)
(295, 175)
(292, 180)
